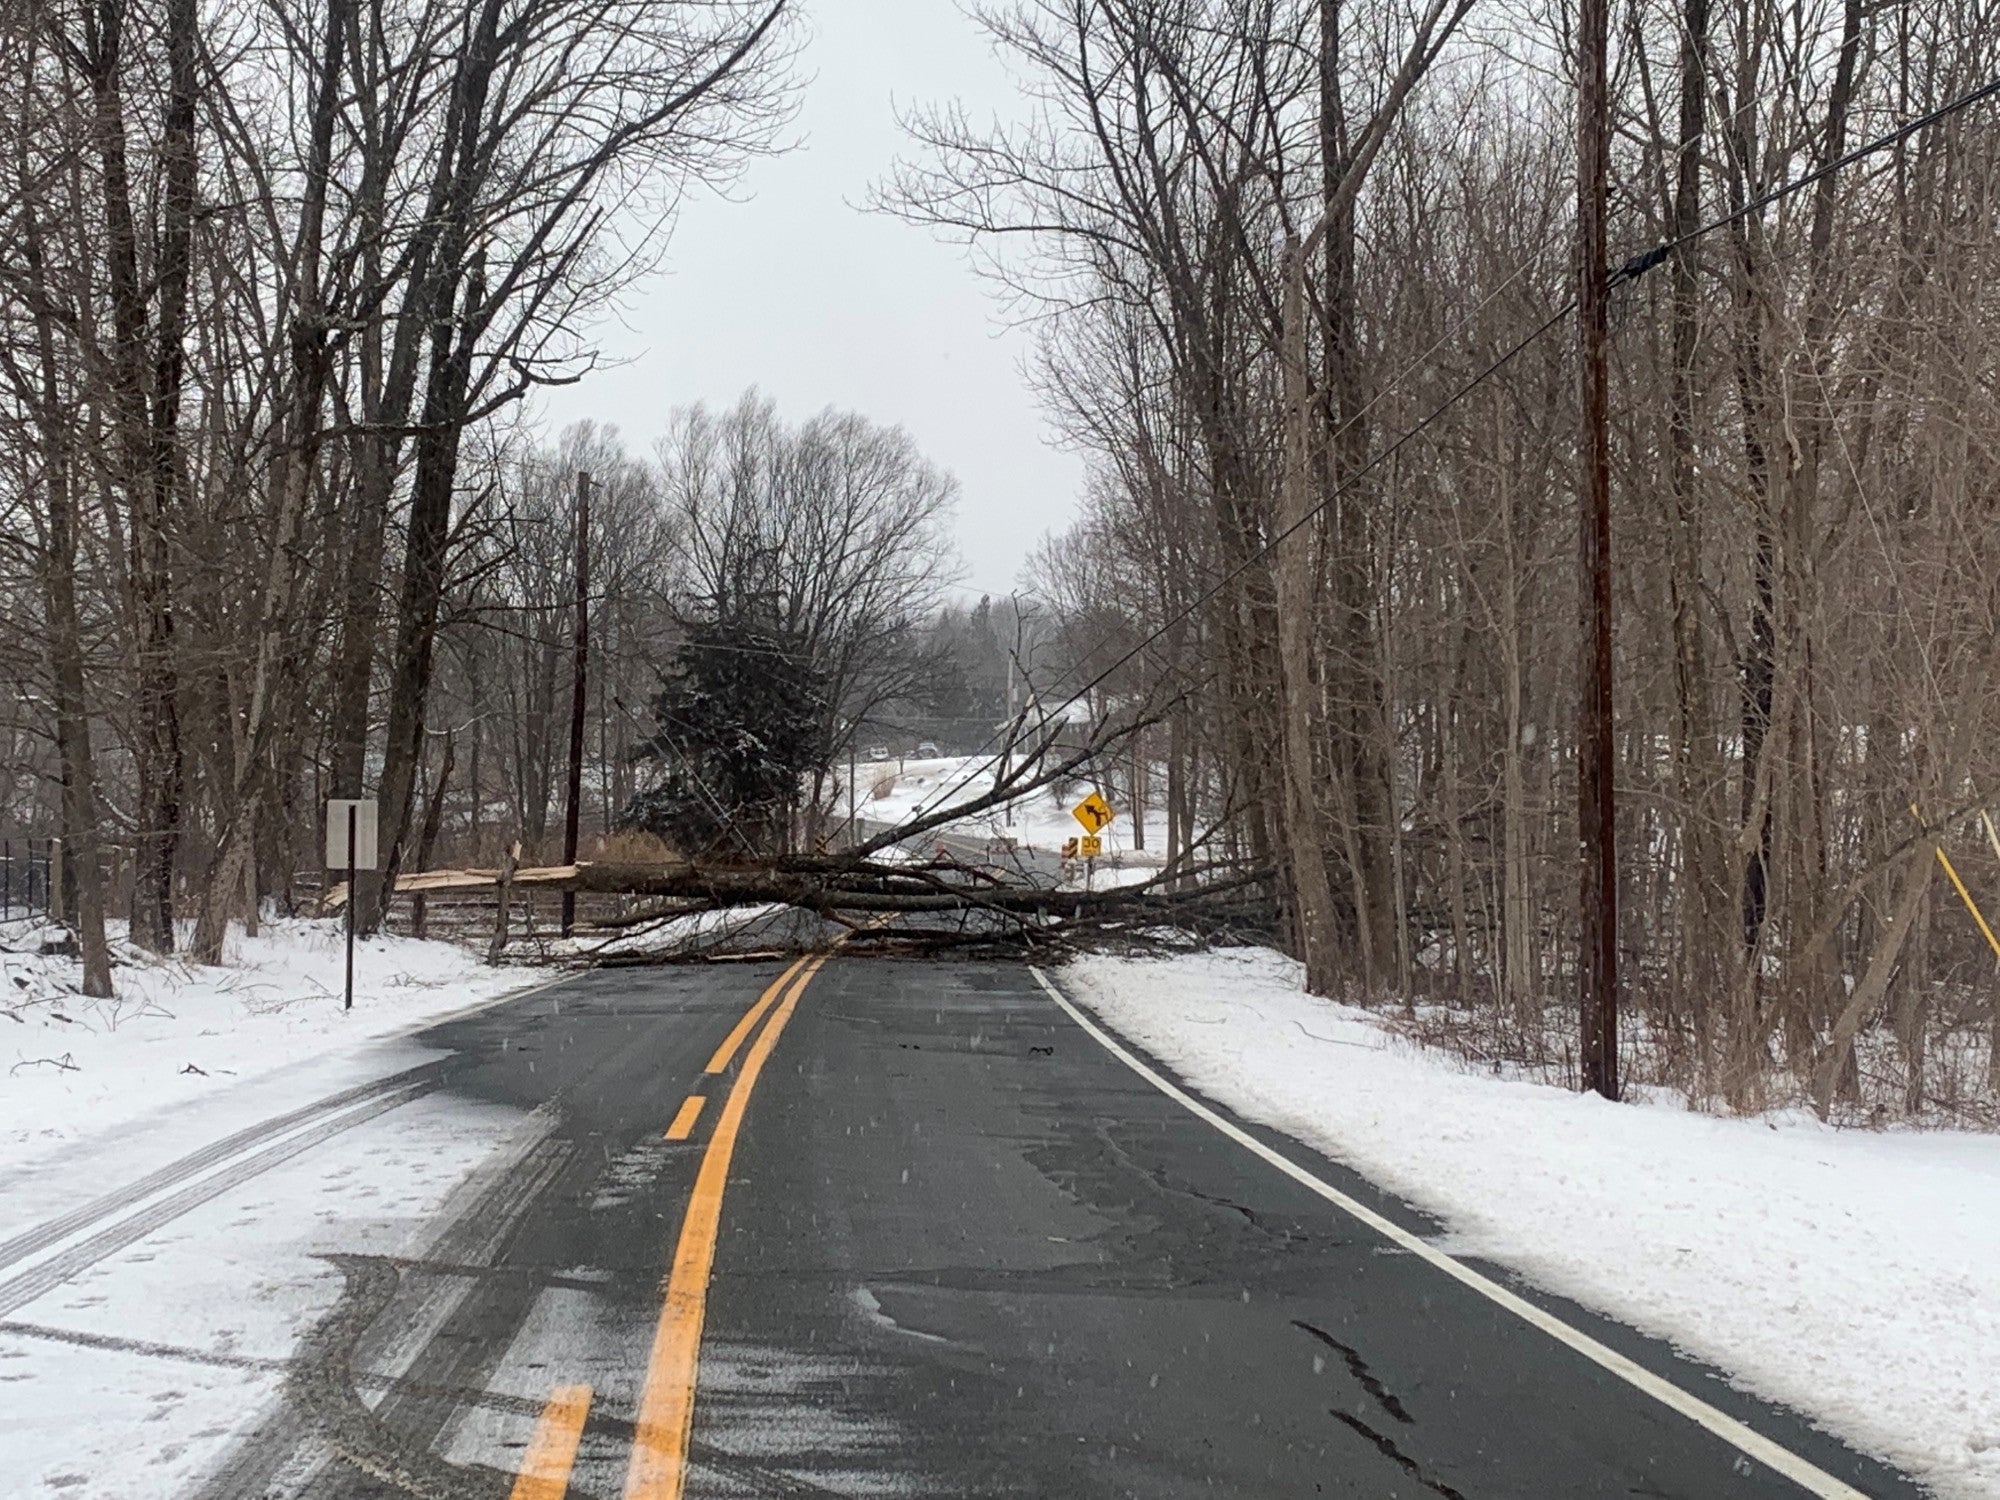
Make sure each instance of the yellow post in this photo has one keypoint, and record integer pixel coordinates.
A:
(1959, 885)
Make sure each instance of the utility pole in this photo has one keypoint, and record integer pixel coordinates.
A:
(578, 700)
(1597, 972)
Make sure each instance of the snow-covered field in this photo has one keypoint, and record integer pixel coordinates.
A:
(1848, 1274)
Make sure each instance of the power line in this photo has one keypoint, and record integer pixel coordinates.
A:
(1640, 264)
(1208, 595)
(1632, 269)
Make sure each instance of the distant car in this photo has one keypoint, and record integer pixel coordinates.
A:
(927, 747)
(878, 752)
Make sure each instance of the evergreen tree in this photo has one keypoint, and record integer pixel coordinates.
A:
(737, 725)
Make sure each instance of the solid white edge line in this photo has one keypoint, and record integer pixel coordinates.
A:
(1746, 1440)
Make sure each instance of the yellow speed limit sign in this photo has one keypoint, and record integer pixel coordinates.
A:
(1090, 846)
(1094, 813)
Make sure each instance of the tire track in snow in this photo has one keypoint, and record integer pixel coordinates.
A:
(33, 1241)
(44, 1278)
(291, 1450)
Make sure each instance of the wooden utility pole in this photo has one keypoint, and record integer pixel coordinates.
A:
(578, 699)
(1597, 972)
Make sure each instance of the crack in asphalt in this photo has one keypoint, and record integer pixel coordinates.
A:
(1158, 1178)
(1358, 1368)
(1388, 1449)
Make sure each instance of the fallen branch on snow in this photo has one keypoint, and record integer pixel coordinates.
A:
(64, 1064)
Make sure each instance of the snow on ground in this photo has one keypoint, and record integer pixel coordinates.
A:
(685, 934)
(181, 1038)
(1847, 1274)
(136, 1378)
(131, 1378)
(891, 791)
(726, 928)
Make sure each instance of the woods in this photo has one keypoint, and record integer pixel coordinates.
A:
(1304, 271)
(286, 275)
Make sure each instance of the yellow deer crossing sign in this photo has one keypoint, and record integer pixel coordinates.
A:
(1094, 813)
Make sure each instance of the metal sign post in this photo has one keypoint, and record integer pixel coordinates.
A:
(353, 815)
(350, 845)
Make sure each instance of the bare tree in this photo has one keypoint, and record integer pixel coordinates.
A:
(834, 528)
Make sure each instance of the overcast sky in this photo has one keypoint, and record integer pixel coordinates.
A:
(793, 289)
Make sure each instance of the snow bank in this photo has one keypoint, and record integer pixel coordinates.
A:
(1849, 1275)
(177, 1035)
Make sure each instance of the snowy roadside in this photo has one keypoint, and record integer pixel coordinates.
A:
(131, 1373)
(184, 1054)
(1846, 1274)
(134, 1378)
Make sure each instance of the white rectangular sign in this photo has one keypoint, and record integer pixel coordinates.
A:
(364, 832)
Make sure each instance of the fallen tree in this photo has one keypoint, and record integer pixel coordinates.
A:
(877, 897)
(946, 903)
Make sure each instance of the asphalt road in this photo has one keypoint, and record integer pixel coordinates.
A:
(926, 1236)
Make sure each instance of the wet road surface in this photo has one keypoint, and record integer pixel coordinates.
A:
(924, 1235)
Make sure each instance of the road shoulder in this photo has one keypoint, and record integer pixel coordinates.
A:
(1689, 1229)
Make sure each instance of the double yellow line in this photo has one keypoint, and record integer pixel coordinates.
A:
(658, 1466)
(658, 1470)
